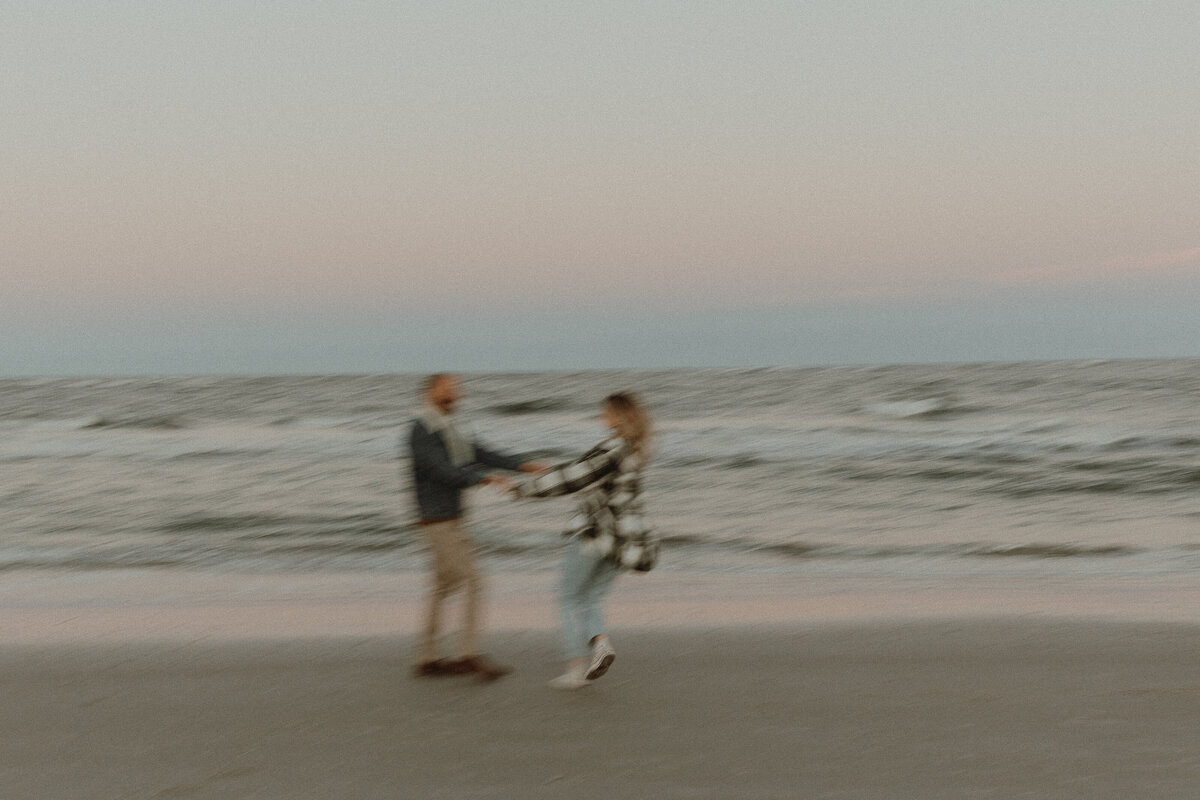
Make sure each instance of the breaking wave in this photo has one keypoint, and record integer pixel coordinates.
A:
(151, 423)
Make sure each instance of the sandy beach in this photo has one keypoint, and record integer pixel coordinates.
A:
(860, 704)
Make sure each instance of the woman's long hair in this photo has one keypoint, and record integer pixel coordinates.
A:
(633, 421)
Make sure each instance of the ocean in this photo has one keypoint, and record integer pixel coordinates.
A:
(1087, 469)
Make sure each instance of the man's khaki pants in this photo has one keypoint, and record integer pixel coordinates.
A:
(453, 560)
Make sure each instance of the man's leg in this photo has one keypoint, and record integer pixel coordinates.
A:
(446, 576)
(472, 580)
(455, 568)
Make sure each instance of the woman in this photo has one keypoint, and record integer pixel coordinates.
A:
(608, 533)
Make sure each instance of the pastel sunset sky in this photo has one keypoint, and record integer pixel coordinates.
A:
(337, 187)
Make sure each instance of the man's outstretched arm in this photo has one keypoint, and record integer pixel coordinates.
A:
(493, 458)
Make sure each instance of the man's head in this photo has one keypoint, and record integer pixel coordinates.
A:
(442, 391)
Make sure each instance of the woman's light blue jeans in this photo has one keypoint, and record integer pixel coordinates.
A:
(585, 582)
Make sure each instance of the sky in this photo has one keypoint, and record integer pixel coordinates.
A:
(348, 187)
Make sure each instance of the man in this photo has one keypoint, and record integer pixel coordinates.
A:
(444, 464)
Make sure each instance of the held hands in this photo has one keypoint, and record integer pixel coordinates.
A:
(529, 468)
(498, 482)
(506, 485)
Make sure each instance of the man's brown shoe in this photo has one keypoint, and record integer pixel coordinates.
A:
(437, 668)
(482, 667)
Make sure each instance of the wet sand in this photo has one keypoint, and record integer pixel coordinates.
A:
(941, 706)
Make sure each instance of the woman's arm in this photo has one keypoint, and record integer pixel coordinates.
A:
(596, 464)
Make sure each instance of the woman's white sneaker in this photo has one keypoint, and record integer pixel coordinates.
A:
(603, 656)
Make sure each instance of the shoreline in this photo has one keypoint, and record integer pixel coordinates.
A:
(152, 604)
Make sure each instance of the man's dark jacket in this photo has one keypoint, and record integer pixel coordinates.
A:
(438, 481)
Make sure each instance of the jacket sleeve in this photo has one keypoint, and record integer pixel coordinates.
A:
(573, 476)
(492, 458)
(430, 459)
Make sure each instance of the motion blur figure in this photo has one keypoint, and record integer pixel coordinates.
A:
(608, 533)
(444, 464)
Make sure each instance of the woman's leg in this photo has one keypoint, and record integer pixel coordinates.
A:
(572, 586)
(599, 583)
(585, 582)
(576, 567)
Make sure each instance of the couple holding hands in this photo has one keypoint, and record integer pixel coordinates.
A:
(608, 533)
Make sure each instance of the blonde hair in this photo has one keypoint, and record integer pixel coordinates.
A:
(633, 421)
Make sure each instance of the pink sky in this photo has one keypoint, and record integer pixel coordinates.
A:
(422, 158)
